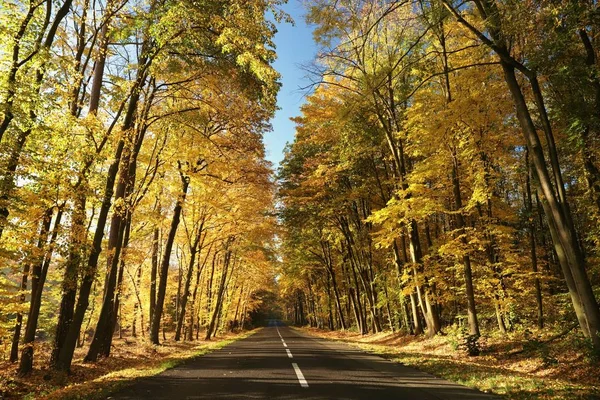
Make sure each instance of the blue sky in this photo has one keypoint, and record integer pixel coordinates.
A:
(295, 46)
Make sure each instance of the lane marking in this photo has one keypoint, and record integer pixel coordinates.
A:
(300, 376)
(289, 353)
(284, 345)
(279, 333)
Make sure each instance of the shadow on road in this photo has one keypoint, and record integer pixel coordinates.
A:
(259, 368)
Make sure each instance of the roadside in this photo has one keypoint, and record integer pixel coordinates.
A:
(515, 367)
(130, 360)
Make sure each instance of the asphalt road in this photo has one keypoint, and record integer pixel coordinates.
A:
(281, 363)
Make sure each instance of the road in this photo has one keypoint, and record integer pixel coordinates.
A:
(281, 363)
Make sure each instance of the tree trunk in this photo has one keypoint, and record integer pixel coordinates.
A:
(188, 280)
(153, 271)
(137, 306)
(195, 296)
(38, 280)
(532, 244)
(219, 302)
(103, 333)
(69, 284)
(468, 274)
(45, 226)
(14, 349)
(118, 303)
(431, 317)
(164, 268)
(329, 264)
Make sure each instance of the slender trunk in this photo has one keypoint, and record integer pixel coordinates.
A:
(330, 269)
(499, 318)
(98, 74)
(188, 281)
(338, 302)
(84, 332)
(388, 309)
(153, 271)
(418, 327)
(137, 305)
(180, 255)
(199, 270)
(118, 303)
(164, 268)
(427, 306)
(355, 309)
(45, 226)
(209, 285)
(235, 323)
(103, 333)
(330, 320)
(14, 349)
(405, 312)
(359, 307)
(532, 245)
(467, 272)
(219, 302)
(69, 283)
(40, 272)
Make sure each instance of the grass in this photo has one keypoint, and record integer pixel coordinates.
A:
(129, 361)
(513, 366)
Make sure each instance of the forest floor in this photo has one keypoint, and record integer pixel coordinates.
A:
(517, 366)
(130, 360)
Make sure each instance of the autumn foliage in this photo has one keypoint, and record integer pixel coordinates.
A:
(135, 199)
(444, 171)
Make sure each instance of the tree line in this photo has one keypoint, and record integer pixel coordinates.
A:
(134, 193)
(445, 169)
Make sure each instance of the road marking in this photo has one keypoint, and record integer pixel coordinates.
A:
(289, 353)
(279, 333)
(284, 345)
(300, 376)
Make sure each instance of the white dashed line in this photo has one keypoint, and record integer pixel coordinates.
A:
(300, 376)
(299, 373)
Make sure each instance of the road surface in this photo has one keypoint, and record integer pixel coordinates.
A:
(281, 363)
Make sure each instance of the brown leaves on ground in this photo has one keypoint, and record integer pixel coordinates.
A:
(520, 365)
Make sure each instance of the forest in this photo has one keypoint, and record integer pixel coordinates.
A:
(135, 197)
(444, 177)
(443, 180)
